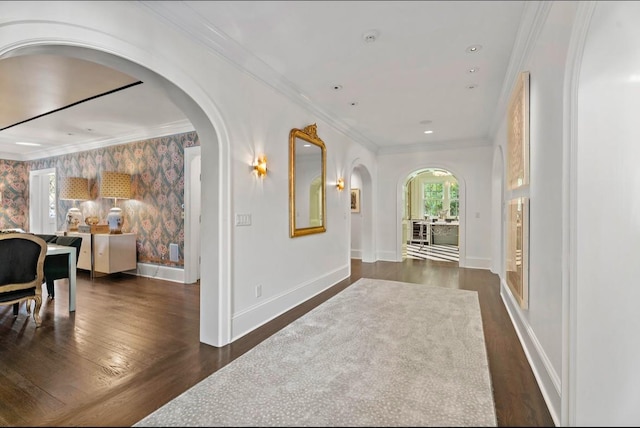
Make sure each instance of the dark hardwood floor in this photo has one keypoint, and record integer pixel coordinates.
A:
(133, 345)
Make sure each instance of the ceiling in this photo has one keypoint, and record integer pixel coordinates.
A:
(382, 72)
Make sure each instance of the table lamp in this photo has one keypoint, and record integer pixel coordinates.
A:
(115, 185)
(74, 189)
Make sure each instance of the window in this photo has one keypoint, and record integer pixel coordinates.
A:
(433, 198)
(454, 200)
(52, 196)
(441, 196)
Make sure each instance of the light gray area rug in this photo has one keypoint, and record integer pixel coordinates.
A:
(379, 353)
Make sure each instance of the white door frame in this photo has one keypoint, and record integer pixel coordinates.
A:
(192, 214)
(39, 220)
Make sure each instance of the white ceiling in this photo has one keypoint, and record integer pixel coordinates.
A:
(416, 70)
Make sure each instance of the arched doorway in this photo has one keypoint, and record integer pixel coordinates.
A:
(431, 216)
(362, 220)
(215, 275)
(401, 213)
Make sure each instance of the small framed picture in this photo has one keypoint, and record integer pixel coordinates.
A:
(355, 200)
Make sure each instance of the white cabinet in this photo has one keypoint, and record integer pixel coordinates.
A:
(84, 259)
(112, 252)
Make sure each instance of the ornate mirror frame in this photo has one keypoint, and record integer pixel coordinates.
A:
(308, 135)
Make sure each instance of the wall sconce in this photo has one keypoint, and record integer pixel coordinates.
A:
(260, 167)
(74, 189)
(340, 184)
(115, 185)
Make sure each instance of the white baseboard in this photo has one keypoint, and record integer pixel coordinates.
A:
(167, 273)
(253, 317)
(547, 378)
(356, 254)
(388, 256)
(475, 263)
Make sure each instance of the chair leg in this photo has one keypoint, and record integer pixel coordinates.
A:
(36, 310)
(51, 289)
(16, 309)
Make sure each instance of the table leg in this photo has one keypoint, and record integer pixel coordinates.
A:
(72, 280)
(92, 272)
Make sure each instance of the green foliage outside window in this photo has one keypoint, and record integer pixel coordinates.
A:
(435, 198)
(454, 201)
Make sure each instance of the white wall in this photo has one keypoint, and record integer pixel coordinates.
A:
(540, 326)
(472, 168)
(608, 220)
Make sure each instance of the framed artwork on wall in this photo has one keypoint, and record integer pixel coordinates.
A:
(517, 250)
(518, 134)
(355, 200)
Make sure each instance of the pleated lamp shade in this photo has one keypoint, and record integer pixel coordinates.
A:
(116, 185)
(74, 189)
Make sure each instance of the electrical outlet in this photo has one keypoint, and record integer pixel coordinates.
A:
(258, 290)
(173, 252)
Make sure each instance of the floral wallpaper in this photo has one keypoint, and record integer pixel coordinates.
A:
(154, 212)
(14, 194)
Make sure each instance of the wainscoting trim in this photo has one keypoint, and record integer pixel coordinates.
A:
(167, 273)
(254, 316)
(475, 263)
(547, 378)
(388, 256)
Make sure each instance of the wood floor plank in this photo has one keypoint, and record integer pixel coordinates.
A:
(133, 345)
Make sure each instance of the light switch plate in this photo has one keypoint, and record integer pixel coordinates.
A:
(243, 219)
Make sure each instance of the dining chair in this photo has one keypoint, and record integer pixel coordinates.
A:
(22, 271)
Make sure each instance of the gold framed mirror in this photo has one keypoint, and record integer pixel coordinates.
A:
(307, 182)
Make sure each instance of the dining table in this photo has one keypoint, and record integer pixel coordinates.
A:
(53, 249)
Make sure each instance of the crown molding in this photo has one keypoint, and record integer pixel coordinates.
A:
(182, 17)
(173, 128)
(532, 21)
(435, 146)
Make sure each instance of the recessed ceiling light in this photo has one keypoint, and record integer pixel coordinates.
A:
(22, 143)
(425, 122)
(307, 145)
(428, 132)
(370, 36)
(472, 86)
(474, 48)
(336, 87)
(473, 70)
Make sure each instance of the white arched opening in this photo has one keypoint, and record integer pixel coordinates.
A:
(400, 209)
(418, 230)
(83, 43)
(362, 231)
